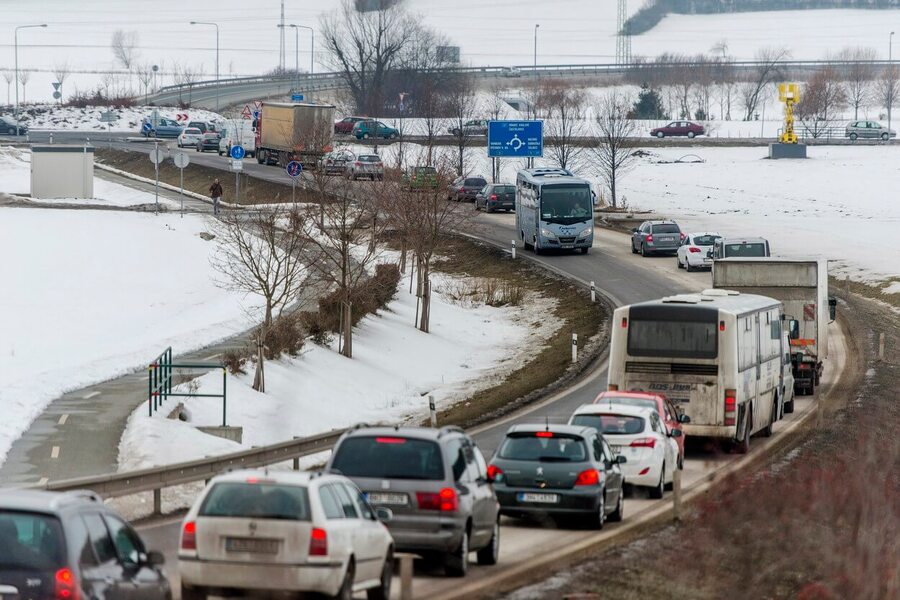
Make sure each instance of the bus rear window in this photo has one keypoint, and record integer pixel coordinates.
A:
(672, 339)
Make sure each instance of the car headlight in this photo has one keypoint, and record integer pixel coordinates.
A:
(548, 234)
(584, 233)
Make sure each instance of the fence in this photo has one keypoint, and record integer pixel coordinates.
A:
(161, 380)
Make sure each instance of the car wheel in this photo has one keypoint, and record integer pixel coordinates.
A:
(689, 268)
(456, 564)
(657, 492)
(490, 554)
(393, 136)
(192, 593)
(383, 591)
(853, 136)
(11, 131)
(691, 134)
(742, 446)
(366, 136)
(618, 514)
(885, 136)
(600, 518)
(678, 262)
(660, 134)
(644, 252)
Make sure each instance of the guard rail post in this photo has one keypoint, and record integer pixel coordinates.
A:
(157, 501)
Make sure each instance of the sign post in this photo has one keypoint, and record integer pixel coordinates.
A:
(181, 161)
(237, 165)
(515, 139)
(156, 157)
(294, 169)
(109, 117)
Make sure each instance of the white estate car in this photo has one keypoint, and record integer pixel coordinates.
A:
(189, 137)
(637, 433)
(256, 532)
(694, 251)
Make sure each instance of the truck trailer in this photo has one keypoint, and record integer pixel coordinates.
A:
(301, 132)
(802, 287)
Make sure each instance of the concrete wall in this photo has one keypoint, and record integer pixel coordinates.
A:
(62, 171)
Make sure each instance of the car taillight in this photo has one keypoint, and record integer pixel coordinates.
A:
(694, 249)
(66, 586)
(644, 443)
(650, 238)
(544, 434)
(358, 164)
(613, 387)
(493, 196)
(318, 542)
(730, 407)
(644, 471)
(494, 472)
(588, 477)
(445, 501)
(189, 536)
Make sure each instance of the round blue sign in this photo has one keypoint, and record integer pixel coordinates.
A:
(237, 152)
(294, 168)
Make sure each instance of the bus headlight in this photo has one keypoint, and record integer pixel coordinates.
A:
(584, 233)
(548, 234)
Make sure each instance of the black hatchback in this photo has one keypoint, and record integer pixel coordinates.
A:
(496, 196)
(71, 545)
(560, 471)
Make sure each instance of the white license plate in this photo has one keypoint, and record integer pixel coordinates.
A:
(568, 246)
(538, 498)
(251, 545)
(393, 499)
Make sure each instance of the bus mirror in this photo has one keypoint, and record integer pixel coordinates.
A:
(594, 198)
(832, 308)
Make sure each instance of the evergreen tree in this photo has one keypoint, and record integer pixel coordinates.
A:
(649, 105)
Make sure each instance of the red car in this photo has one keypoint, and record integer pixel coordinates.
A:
(678, 128)
(346, 124)
(671, 416)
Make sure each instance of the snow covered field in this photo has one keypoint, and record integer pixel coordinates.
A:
(393, 369)
(79, 305)
(53, 117)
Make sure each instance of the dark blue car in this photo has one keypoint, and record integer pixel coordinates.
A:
(164, 128)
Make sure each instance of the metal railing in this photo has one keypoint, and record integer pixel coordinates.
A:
(160, 381)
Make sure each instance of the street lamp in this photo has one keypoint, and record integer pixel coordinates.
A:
(16, 44)
(891, 92)
(312, 41)
(312, 44)
(216, 25)
(536, 27)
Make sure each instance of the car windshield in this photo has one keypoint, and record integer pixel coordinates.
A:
(566, 203)
(369, 158)
(666, 228)
(389, 457)
(30, 542)
(705, 240)
(745, 250)
(504, 189)
(611, 424)
(558, 448)
(256, 500)
(630, 401)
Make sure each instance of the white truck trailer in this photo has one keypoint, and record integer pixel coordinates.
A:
(802, 287)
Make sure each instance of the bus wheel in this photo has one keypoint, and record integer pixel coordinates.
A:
(742, 446)
(524, 241)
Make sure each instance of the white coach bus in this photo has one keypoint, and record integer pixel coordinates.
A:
(717, 354)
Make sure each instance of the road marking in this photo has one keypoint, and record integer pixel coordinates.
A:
(54, 453)
(63, 419)
(211, 357)
(43, 481)
(91, 395)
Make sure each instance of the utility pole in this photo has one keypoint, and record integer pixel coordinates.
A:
(217, 55)
(623, 38)
(281, 61)
(16, 47)
(536, 27)
(891, 91)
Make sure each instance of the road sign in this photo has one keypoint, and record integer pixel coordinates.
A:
(237, 152)
(257, 104)
(181, 160)
(56, 85)
(515, 138)
(296, 97)
(157, 155)
(256, 114)
(182, 117)
(57, 95)
(246, 112)
(237, 165)
(294, 168)
(109, 116)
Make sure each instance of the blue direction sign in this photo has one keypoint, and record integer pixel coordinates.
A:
(515, 138)
(237, 152)
(296, 97)
(294, 168)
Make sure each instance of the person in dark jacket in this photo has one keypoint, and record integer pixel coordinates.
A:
(215, 191)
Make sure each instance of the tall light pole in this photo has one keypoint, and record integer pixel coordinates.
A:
(536, 27)
(312, 44)
(16, 45)
(891, 91)
(296, 53)
(216, 25)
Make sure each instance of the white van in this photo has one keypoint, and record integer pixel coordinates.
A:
(237, 131)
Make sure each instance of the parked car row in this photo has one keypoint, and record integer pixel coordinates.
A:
(344, 162)
(170, 128)
(693, 251)
(854, 130)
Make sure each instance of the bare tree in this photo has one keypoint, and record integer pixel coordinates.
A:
(261, 253)
(887, 89)
(144, 72)
(61, 71)
(124, 47)
(24, 78)
(189, 76)
(566, 128)
(461, 107)
(821, 101)
(859, 76)
(766, 73)
(724, 76)
(9, 76)
(615, 151)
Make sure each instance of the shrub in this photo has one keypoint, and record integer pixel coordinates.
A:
(234, 361)
(317, 329)
(370, 296)
(286, 335)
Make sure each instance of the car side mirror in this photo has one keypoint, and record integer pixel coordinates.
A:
(675, 433)
(154, 558)
(634, 230)
(383, 514)
(684, 419)
(709, 254)
(621, 459)
(832, 308)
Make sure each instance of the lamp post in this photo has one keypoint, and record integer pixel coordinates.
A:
(536, 27)
(312, 44)
(891, 91)
(216, 25)
(296, 54)
(16, 45)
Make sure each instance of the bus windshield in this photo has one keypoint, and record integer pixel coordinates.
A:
(566, 203)
(672, 339)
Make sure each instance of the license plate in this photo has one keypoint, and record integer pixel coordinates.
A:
(251, 545)
(384, 498)
(538, 498)
(568, 246)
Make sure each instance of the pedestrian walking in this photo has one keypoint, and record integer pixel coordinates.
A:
(215, 191)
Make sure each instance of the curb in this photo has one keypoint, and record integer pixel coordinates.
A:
(166, 186)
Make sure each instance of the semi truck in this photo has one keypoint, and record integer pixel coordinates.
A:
(301, 132)
(802, 287)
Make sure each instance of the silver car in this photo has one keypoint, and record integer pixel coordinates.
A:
(435, 482)
(656, 237)
(365, 165)
(868, 129)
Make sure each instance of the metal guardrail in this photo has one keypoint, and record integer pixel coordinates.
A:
(157, 478)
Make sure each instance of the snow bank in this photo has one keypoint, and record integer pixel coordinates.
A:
(54, 117)
(394, 367)
(79, 304)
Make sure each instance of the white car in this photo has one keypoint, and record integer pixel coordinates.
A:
(189, 137)
(693, 253)
(637, 433)
(257, 532)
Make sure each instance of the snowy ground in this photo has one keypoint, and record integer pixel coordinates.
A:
(78, 307)
(50, 116)
(15, 179)
(393, 369)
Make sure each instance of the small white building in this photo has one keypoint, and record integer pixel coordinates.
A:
(62, 171)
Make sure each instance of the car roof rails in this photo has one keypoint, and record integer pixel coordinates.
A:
(356, 426)
(450, 429)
